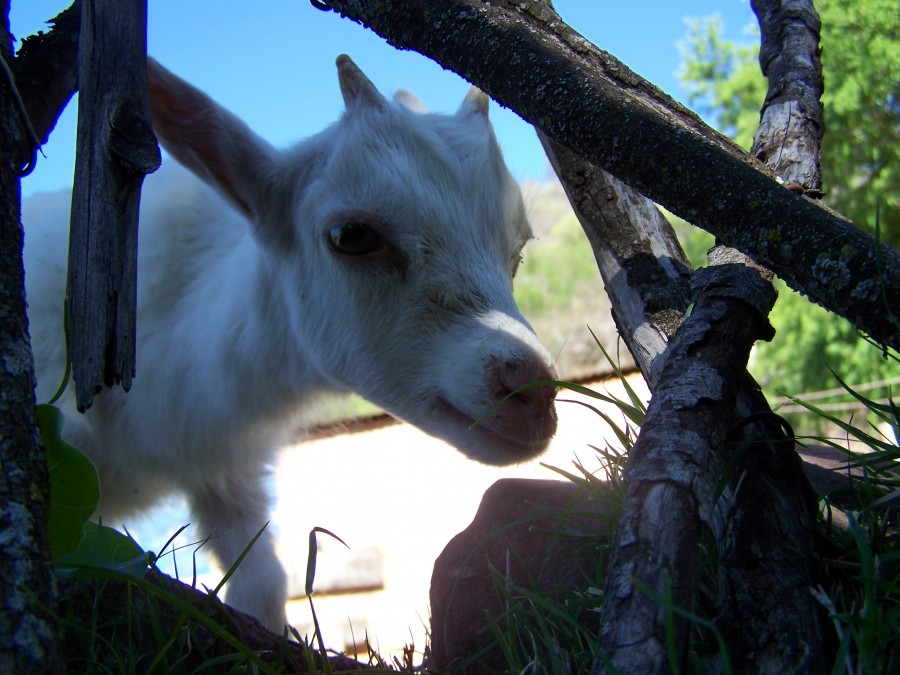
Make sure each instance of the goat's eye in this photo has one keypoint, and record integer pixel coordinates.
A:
(355, 238)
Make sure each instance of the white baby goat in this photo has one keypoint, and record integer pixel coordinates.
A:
(375, 257)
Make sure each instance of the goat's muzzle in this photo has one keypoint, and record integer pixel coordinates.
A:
(526, 411)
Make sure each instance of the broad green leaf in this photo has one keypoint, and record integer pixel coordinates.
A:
(103, 548)
(74, 486)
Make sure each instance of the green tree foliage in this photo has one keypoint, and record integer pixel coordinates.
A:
(861, 148)
(555, 270)
(860, 167)
(861, 62)
(722, 78)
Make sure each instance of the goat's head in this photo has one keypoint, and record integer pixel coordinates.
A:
(391, 238)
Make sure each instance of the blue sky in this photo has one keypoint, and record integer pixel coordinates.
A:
(272, 63)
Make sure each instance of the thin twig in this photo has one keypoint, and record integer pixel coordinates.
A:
(26, 121)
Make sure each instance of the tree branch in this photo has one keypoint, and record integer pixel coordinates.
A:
(116, 149)
(764, 524)
(789, 138)
(46, 74)
(643, 268)
(524, 56)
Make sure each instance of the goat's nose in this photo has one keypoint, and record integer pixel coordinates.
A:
(527, 414)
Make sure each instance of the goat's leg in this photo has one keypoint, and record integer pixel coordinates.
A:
(233, 510)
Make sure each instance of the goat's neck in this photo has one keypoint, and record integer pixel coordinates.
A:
(266, 363)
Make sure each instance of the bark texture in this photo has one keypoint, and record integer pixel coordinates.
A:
(27, 636)
(789, 138)
(767, 536)
(116, 149)
(768, 561)
(46, 74)
(523, 55)
(676, 467)
(764, 517)
(644, 270)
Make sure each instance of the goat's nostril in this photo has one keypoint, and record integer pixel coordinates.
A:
(509, 377)
(537, 400)
(526, 409)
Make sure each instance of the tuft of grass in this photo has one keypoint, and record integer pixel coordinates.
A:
(116, 620)
(861, 593)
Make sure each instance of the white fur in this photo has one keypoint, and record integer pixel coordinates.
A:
(247, 313)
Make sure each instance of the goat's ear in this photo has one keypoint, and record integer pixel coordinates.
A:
(210, 141)
(476, 102)
(410, 101)
(356, 88)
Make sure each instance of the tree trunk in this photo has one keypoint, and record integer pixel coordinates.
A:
(116, 149)
(27, 634)
(765, 517)
(524, 56)
(675, 469)
(767, 540)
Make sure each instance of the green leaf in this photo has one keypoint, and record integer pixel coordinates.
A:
(74, 486)
(103, 548)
